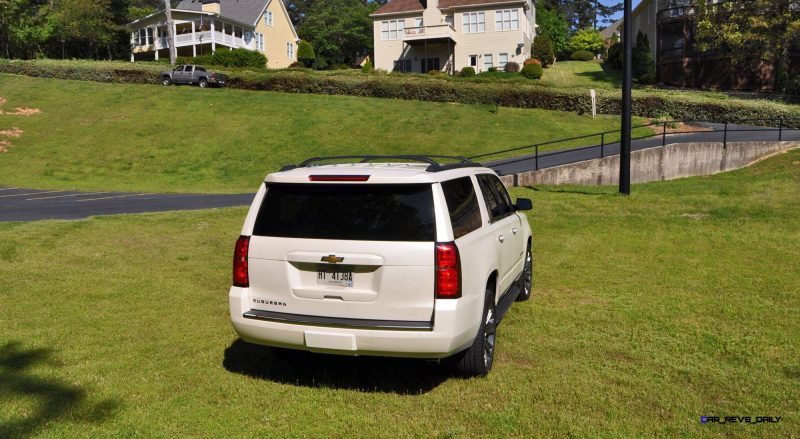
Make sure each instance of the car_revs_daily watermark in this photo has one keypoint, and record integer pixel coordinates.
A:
(740, 419)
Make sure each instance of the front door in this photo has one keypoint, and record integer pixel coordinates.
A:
(428, 64)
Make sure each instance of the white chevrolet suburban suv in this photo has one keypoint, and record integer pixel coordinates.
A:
(383, 255)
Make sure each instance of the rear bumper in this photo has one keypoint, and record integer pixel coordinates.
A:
(453, 329)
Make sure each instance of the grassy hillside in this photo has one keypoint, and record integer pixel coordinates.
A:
(97, 136)
(648, 312)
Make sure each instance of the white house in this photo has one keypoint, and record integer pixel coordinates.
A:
(447, 35)
(202, 27)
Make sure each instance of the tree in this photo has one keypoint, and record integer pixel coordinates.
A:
(644, 67)
(582, 14)
(305, 53)
(85, 20)
(543, 50)
(339, 30)
(589, 40)
(25, 25)
(745, 31)
(553, 24)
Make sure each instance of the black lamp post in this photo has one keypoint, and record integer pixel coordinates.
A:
(627, 85)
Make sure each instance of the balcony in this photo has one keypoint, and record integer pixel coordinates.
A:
(427, 33)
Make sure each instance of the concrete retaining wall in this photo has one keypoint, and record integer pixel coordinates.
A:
(655, 164)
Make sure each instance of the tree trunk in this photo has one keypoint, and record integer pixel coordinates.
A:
(173, 51)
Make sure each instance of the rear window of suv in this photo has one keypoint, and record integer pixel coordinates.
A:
(362, 212)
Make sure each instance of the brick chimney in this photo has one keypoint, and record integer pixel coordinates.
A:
(211, 6)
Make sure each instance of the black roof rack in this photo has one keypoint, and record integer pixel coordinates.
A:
(433, 161)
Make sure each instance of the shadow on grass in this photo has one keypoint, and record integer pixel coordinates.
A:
(54, 399)
(366, 374)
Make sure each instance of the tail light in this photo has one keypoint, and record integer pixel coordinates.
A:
(241, 278)
(448, 271)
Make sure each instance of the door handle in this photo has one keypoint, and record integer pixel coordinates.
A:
(501, 238)
(514, 230)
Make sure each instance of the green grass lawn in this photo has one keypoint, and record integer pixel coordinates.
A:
(648, 312)
(96, 136)
(581, 74)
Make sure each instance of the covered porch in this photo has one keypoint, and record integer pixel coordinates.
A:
(427, 48)
(195, 34)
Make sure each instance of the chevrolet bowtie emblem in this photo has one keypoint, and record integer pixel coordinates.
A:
(331, 259)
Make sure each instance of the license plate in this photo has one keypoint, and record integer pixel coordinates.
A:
(339, 276)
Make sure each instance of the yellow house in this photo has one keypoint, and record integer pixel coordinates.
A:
(201, 27)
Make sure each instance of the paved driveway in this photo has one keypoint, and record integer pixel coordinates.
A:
(20, 204)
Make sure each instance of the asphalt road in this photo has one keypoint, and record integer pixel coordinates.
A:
(562, 157)
(20, 204)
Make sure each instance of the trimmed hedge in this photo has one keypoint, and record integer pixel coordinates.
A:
(647, 103)
(532, 71)
(582, 55)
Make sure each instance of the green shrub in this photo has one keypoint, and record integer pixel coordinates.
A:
(434, 72)
(582, 55)
(305, 53)
(467, 72)
(492, 69)
(646, 103)
(644, 67)
(614, 58)
(511, 67)
(368, 67)
(296, 64)
(532, 61)
(543, 50)
(532, 71)
(793, 86)
(239, 58)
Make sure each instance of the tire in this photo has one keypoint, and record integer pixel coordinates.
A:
(166, 81)
(478, 359)
(527, 277)
(203, 83)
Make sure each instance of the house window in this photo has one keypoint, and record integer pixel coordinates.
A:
(290, 50)
(473, 61)
(418, 22)
(402, 65)
(392, 29)
(506, 20)
(503, 60)
(259, 41)
(268, 18)
(142, 37)
(473, 22)
(488, 61)
(149, 35)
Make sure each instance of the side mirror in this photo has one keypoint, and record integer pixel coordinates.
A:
(524, 204)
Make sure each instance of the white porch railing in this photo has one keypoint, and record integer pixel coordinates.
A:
(428, 32)
(188, 39)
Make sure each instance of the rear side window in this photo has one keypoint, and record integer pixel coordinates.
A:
(495, 195)
(199, 69)
(361, 212)
(462, 203)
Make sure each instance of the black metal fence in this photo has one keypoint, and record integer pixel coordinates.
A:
(765, 125)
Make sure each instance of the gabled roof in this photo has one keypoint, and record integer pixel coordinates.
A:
(243, 11)
(403, 6)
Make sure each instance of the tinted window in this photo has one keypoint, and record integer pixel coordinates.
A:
(199, 69)
(187, 69)
(502, 193)
(365, 212)
(496, 202)
(462, 203)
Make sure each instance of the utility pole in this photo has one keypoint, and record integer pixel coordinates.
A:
(170, 32)
(627, 85)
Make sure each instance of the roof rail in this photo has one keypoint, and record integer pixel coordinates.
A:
(433, 161)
